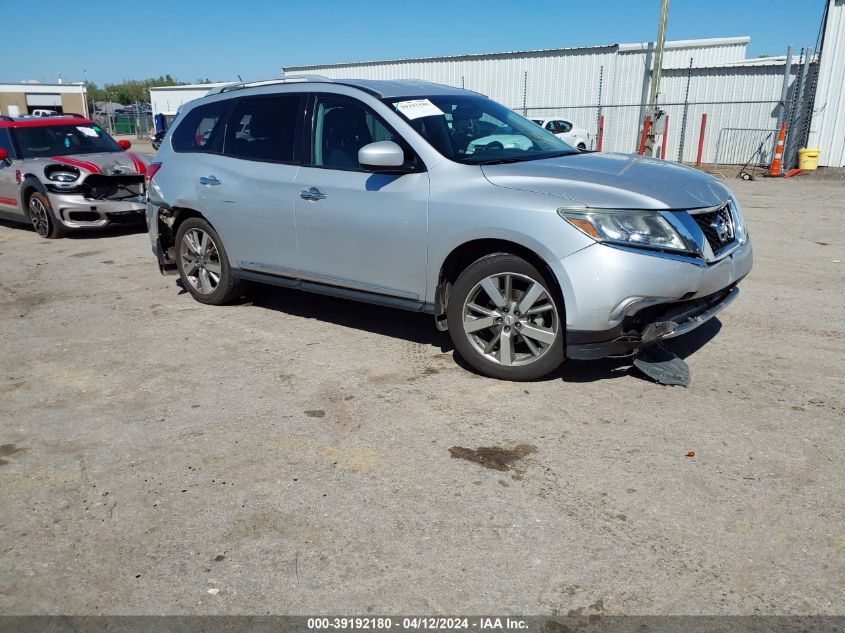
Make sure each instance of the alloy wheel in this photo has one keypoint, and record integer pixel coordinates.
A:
(38, 216)
(200, 261)
(510, 319)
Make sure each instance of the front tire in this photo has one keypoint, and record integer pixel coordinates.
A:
(505, 319)
(41, 216)
(203, 264)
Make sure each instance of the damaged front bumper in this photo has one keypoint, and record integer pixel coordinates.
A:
(619, 301)
(99, 201)
(649, 326)
(77, 212)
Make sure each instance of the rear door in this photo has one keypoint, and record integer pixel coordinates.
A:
(359, 229)
(247, 190)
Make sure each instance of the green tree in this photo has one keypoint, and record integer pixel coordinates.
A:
(129, 90)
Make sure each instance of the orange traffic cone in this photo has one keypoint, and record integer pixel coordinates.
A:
(776, 161)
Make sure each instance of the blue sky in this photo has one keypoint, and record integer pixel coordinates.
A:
(218, 40)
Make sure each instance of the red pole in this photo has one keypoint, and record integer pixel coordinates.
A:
(701, 140)
(601, 133)
(646, 126)
(665, 134)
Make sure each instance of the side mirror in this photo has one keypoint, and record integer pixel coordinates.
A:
(382, 156)
(124, 144)
(4, 155)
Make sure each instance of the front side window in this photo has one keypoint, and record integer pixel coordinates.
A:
(62, 140)
(475, 130)
(264, 128)
(564, 127)
(341, 128)
(201, 129)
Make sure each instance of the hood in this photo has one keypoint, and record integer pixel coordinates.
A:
(612, 181)
(108, 163)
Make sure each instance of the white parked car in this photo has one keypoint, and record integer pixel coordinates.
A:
(566, 131)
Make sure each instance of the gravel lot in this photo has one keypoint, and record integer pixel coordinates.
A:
(290, 454)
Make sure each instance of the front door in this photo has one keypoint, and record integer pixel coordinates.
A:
(358, 229)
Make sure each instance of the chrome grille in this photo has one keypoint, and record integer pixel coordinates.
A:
(718, 227)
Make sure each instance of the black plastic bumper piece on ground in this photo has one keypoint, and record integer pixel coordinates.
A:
(663, 366)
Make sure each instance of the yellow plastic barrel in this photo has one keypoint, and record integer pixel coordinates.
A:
(808, 159)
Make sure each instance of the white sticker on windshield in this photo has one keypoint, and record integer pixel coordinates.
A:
(88, 131)
(417, 108)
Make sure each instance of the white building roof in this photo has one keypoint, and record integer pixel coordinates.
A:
(630, 47)
(206, 87)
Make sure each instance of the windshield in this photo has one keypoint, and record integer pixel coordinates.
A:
(475, 130)
(62, 140)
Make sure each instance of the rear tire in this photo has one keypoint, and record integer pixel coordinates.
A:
(203, 263)
(582, 147)
(505, 319)
(40, 213)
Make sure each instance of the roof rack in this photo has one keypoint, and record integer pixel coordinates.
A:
(267, 82)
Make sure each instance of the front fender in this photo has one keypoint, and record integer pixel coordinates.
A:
(30, 181)
(464, 207)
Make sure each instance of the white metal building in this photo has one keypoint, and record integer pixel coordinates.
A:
(167, 99)
(18, 99)
(828, 128)
(549, 77)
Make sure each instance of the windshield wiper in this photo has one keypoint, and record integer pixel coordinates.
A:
(522, 159)
(502, 161)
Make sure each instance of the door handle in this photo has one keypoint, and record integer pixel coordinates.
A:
(209, 180)
(312, 194)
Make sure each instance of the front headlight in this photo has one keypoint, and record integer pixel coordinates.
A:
(62, 176)
(740, 229)
(646, 229)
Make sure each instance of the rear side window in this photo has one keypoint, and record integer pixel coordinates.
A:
(264, 128)
(202, 128)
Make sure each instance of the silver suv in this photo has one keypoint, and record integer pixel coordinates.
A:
(438, 200)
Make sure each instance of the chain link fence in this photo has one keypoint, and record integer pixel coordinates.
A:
(140, 126)
(731, 134)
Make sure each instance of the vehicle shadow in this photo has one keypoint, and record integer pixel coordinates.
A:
(419, 328)
(411, 326)
(115, 230)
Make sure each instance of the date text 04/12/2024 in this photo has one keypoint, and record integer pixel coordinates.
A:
(416, 623)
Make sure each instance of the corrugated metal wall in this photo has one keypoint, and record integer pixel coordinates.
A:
(827, 130)
(551, 77)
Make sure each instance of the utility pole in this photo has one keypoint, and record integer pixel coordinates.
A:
(656, 71)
